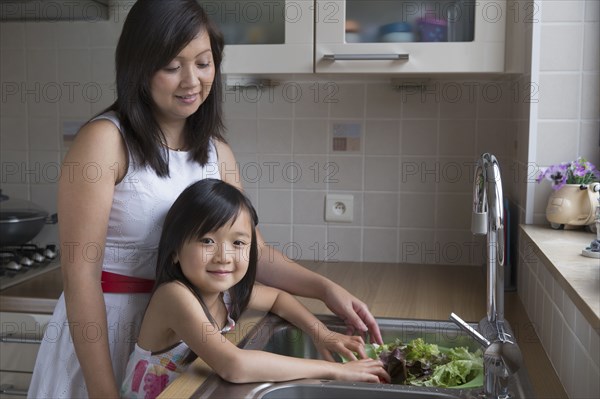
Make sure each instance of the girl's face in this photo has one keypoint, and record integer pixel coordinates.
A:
(219, 259)
(181, 87)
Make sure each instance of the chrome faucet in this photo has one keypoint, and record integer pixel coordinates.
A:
(502, 356)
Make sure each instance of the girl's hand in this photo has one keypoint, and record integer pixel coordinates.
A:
(329, 342)
(354, 312)
(364, 370)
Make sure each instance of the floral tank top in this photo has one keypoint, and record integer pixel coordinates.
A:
(149, 373)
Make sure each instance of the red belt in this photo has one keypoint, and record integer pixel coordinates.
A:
(119, 284)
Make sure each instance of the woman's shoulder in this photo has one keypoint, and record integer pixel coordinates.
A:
(99, 142)
(101, 131)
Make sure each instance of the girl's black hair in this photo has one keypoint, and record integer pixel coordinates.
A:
(154, 32)
(205, 206)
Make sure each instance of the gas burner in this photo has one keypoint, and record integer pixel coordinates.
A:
(20, 263)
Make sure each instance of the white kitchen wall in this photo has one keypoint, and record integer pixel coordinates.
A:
(410, 178)
(566, 119)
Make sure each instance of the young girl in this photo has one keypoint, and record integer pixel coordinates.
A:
(204, 281)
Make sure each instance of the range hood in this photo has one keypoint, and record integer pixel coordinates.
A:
(53, 10)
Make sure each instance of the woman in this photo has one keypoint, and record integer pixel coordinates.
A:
(120, 177)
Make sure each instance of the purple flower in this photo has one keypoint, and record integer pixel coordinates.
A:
(578, 172)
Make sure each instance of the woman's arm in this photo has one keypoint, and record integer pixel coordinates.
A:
(269, 299)
(276, 270)
(94, 163)
(182, 313)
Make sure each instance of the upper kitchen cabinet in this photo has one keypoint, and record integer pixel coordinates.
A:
(410, 36)
(274, 36)
(361, 36)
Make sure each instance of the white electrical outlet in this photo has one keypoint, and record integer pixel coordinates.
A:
(339, 208)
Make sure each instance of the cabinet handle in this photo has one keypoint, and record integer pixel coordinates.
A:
(366, 57)
(7, 389)
(12, 339)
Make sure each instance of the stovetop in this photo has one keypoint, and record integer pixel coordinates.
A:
(21, 263)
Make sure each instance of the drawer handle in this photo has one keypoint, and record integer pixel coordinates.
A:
(12, 339)
(7, 389)
(366, 57)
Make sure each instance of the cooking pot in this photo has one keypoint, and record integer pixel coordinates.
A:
(21, 221)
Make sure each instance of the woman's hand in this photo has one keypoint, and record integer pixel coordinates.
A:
(364, 370)
(347, 346)
(354, 312)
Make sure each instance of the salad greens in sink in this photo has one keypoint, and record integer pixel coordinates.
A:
(422, 364)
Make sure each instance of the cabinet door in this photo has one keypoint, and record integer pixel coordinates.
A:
(410, 36)
(273, 36)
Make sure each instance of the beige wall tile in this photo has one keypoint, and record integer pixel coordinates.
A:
(417, 211)
(307, 104)
(309, 207)
(383, 101)
(12, 35)
(560, 49)
(13, 133)
(310, 136)
(592, 10)
(457, 137)
(43, 133)
(381, 173)
(380, 245)
(418, 174)
(559, 95)
(312, 172)
(347, 100)
(275, 136)
(591, 54)
(311, 243)
(277, 236)
(416, 246)
(563, 11)
(242, 135)
(590, 96)
(382, 137)
(557, 142)
(380, 210)
(346, 173)
(273, 103)
(346, 240)
(419, 137)
(454, 211)
(275, 206)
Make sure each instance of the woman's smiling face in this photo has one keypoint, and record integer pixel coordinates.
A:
(179, 88)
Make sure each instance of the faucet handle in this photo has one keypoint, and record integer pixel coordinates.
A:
(470, 330)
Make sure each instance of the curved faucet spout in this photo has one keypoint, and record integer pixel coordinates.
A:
(488, 219)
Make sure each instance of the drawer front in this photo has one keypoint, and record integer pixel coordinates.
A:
(18, 356)
(14, 385)
(20, 338)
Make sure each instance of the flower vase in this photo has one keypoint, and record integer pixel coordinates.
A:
(572, 206)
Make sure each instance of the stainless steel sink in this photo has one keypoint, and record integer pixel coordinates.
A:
(275, 335)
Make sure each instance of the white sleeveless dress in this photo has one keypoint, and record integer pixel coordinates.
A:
(140, 204)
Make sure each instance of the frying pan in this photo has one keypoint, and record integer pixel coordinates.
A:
(21, 221)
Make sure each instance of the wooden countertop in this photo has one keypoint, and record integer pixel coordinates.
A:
(416, 292)
(579, 276)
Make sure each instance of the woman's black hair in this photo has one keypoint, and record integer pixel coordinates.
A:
(154, 32)
(205, 206)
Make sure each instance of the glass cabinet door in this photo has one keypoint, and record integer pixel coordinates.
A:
(272, 36)
(388, 21)
(415, 36)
